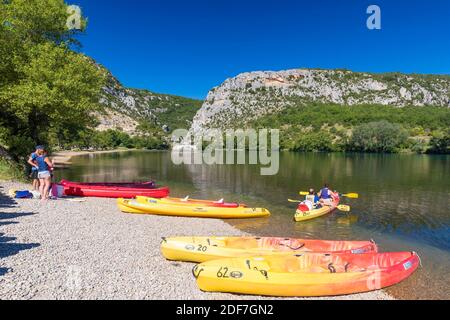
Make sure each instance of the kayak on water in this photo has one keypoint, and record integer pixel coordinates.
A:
(304, 212)
(190, 202)
(307, 274)
(201, 249)
(147, 184)
(158, 208)
(113, 190)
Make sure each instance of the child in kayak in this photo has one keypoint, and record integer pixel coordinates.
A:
(311, 201)
(312, 196)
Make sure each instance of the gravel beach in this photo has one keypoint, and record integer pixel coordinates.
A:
(90, 250)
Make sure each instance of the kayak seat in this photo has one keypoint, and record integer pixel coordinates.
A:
(246, 243)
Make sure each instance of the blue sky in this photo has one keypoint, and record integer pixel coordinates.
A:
(188, 47)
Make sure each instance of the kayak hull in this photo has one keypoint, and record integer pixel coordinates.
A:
(138, 185)
(157, 208)
(201, 249)
(306, 275)
(128, 194)
(113, 190)
(190, 202)
(315, 213)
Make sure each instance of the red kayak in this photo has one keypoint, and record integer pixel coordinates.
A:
(113, 190)
(140, 185)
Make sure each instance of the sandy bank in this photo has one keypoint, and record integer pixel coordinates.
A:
(90, 250)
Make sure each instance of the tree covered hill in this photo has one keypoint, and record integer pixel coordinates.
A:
(320, 110)
(144, 110)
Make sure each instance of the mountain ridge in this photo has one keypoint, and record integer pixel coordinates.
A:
(251, 95)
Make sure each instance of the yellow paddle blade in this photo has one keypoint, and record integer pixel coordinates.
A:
(343, 207)
(296, 201)
(348, 195)
(351, 195)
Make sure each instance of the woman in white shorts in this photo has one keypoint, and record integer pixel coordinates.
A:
(44, 173)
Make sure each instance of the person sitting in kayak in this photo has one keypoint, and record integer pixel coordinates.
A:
(311, 201)
(325, 195)
(312, 196)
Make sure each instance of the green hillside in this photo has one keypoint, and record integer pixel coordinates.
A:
(371, 128)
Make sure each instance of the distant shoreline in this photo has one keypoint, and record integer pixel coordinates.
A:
(63, 158)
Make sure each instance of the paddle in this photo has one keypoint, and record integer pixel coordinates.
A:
(351, 195)
(341, 207)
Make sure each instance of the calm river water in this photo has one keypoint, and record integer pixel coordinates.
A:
(404, 200)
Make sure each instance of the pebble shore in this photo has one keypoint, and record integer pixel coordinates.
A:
(59, 249)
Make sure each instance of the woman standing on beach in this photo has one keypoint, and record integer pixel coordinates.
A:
(34, 168)
(44, 173)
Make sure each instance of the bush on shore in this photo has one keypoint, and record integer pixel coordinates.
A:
(9, 170)
(382, 136)
(440, 143)
(315, 141)
(112, 139)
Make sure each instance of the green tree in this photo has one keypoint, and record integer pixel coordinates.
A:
(440, 143)
(381, 136)
(314, 141)
(58, 89)
(39, 21)
(47, 90)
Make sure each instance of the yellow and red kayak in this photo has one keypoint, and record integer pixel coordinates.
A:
(303, 214)
(191, 202)
(159, 208)
(200, 249)
(306, 275)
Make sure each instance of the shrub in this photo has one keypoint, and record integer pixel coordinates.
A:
(10, 170)
(440, 143)
(381, 136)
(20, 147)
(417, 145)
(314, 141)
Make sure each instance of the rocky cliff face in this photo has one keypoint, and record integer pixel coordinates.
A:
(251, 95)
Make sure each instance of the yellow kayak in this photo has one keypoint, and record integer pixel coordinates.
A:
(189, 202)
(303, 215)
(201, 249)
(158, 208)
(310, 274)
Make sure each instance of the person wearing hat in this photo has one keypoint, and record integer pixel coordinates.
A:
(34, 167)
